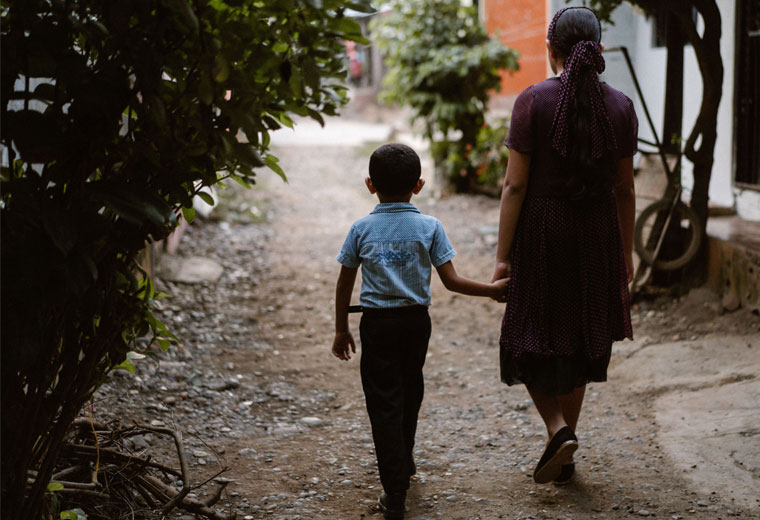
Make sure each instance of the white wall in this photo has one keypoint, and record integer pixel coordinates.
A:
(633, 30)
(651, 71)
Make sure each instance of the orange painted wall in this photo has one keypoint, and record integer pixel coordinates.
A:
(521, 25)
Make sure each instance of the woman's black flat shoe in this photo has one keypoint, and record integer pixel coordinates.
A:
(558, 452)
(565, 474)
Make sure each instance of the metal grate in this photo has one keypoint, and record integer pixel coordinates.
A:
(748, 96)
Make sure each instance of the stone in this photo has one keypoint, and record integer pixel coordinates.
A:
(311, 421)
(230, 384)
(194, 269)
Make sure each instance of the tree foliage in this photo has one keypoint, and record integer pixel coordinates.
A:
(442, 64)
(114, 115)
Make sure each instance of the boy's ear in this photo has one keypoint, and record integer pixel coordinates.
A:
(370, 186)
(418, 187)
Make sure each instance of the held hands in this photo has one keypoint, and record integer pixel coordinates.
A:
(500, 290)
(343, 345)
(501, 277)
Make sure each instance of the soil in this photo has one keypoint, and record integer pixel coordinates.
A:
(255, 389)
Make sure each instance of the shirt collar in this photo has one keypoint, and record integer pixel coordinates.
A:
(394, 207)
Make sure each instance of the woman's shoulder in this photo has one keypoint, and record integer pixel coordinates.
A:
(547, 86)
(616, 99)
(539, 94)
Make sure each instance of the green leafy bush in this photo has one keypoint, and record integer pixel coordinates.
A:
(115, 114)
(488, 158)
(442, 64)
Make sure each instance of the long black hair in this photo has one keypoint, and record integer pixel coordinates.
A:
(582, 131)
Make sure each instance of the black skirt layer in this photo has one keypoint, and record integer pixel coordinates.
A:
(554, 375)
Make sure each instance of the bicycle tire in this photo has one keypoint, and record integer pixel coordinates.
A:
(682, 212)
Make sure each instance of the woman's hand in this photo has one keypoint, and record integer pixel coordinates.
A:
(501, 271)
(629, 267)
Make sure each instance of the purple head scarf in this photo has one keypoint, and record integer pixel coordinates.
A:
(585, 57)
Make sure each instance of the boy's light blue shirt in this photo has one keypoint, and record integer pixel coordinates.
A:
(397, 246)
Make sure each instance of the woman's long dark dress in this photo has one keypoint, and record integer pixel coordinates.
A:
(568, 299)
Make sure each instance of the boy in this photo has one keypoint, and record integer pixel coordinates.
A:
(396, 246)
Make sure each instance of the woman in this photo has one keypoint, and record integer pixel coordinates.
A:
(566, 233)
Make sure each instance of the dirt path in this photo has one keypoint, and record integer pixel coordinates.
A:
(255, 381)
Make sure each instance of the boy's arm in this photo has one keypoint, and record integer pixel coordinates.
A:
(456, 283)
(343, 344)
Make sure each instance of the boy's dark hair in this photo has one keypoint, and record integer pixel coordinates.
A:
(394, 169)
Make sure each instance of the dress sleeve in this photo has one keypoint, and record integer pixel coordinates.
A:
(349, 253)
(631, 143)
(521, 125)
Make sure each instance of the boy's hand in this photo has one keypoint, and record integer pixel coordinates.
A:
(500, 290)
(501, 272)
(343, 345)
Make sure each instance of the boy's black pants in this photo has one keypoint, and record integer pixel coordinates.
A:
(394, 345)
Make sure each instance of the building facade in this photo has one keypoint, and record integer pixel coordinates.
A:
(735, 180)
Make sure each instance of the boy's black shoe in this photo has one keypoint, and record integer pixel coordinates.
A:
(559, 451)
(565, 475)
(392, 505)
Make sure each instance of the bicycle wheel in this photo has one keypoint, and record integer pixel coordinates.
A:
(685, 231)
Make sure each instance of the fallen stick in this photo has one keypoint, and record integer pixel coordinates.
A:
(177, 435)
(112, 455)
(189, 504)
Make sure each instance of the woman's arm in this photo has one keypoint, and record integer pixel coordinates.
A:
(457, 283)
(625, 198)
(512, 197)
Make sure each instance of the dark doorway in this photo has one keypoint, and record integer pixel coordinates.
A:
(748, 95)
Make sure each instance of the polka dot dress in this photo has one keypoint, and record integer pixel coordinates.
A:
(567, 300)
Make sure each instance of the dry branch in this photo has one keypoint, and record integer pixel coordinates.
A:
(189, 504)
(128, 479)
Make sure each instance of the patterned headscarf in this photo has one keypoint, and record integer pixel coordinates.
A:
(585, 57)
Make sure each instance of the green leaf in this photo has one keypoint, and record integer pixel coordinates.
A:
(280, 47)
(242, 181)
(188, 214)
(247, 154)
(135, 355)
(207, 198)
(54, 486)
(221, 69)
(272, 163)
(125, 365)
(73, 514)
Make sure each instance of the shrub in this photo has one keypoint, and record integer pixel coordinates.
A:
(442, 64)
(115, 114)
